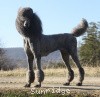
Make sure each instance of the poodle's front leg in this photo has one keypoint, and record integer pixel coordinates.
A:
(30, 73)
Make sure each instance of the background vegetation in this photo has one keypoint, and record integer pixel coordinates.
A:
(90, 48)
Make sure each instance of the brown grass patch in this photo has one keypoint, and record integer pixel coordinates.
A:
(59, 72)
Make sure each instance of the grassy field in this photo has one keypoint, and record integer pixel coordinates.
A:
(12, 82)
(26, 93)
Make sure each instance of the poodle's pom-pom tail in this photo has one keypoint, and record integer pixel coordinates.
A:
(80, 28)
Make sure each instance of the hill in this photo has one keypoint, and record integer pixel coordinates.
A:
(17, 55)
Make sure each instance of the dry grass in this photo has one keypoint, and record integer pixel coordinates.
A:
(15, 72)
(59, 72)
(89, 71)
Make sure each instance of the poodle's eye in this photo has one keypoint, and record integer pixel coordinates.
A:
(26, 24)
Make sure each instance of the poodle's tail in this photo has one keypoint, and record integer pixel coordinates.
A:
(80, 28)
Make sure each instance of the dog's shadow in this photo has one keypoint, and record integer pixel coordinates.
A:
(83, 87)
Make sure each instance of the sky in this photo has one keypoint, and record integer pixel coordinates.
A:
(57, 16)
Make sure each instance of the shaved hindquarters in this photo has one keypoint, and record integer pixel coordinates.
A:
(73, 53)
(65, 57)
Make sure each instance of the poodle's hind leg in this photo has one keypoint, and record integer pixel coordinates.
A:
(81, 70)
(39, 72)
(65, 57)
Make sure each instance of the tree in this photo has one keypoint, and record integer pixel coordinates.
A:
(90, 48)
(1, 57)
(5, 62)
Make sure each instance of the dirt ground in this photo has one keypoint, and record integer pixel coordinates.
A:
(90, 83)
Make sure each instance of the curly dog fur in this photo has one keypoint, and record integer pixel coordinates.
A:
(37, 45)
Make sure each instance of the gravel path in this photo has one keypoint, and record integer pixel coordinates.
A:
(90, 83)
